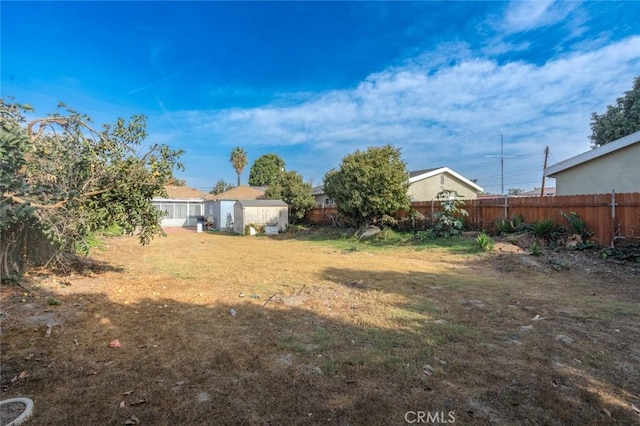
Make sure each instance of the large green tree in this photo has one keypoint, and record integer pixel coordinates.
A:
(239, 160)
(221, 186)
(618, 120)
(265, 170)
(63, 178)
(291, 188)
(369, 184)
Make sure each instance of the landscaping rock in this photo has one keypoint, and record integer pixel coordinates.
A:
(368, 232)
(507, 248)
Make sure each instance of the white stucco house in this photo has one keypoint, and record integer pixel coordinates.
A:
(611, 167)
(424, 185)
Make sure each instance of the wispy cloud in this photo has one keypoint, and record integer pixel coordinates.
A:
(451, 114)
(528, 15)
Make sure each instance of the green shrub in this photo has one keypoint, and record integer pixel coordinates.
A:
(535, 249)
(424, 236)
(449, 221)
(544, 228)
(484, 242)
(508, 226)
(578, 226)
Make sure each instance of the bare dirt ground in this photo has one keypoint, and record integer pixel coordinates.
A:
(221, 329)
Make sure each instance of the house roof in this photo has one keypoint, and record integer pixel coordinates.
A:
(601, 151)
(262, 203)
(427, 173)
(421, 172)
(548, 190)
(417, 175)
(241, 192)
(183, 192)
(317, 190)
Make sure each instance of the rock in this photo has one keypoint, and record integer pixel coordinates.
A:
(564, 339)
(427, 370)
(368, 232)
(203, 396)
(507, 248)
(573, 241)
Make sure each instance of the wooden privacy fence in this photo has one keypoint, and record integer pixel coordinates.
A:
(612, 217)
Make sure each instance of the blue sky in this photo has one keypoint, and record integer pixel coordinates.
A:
(313, 82)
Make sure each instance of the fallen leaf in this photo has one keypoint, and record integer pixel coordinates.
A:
(138, 402)
(115, 344)
(22, 375)
(127, 393)
(635, 408)
(123, 404)
(607, 412)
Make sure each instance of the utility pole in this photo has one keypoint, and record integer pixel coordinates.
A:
(501, 164)
(502, 157)
(546, 156)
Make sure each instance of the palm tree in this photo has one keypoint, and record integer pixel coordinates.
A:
(239, 160)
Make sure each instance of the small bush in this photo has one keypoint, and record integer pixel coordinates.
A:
(504, 227)
(535, 249)
(578, 226)
(516, 224)
(424, 236)
(53, 302)
(484, 242)
(543, 229)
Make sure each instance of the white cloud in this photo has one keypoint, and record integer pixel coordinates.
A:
(523, 16)
(450, 115)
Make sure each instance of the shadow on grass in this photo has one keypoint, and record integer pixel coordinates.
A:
(274, 363)
(345, 239)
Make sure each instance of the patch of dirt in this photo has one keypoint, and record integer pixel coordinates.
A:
(225, 329)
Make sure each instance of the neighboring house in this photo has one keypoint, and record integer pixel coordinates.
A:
(321, 198)
(241, 192)
(613, 166)
(181, 208)
(424, 185)
(548, 191)
(218, 208)
(260, 212)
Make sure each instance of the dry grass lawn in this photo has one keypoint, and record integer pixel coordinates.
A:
(220, 329)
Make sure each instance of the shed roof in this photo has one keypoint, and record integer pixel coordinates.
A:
(241, 192)
(262, 203)
(601, 151)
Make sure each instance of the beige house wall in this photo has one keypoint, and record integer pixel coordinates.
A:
(427, 189)
(619, 171)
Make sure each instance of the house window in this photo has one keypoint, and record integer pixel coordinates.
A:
(180, 211)
(194, 210)
(441, 179)
(166, 209)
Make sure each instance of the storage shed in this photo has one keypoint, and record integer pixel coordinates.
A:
(219, 208)
(260, 212)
